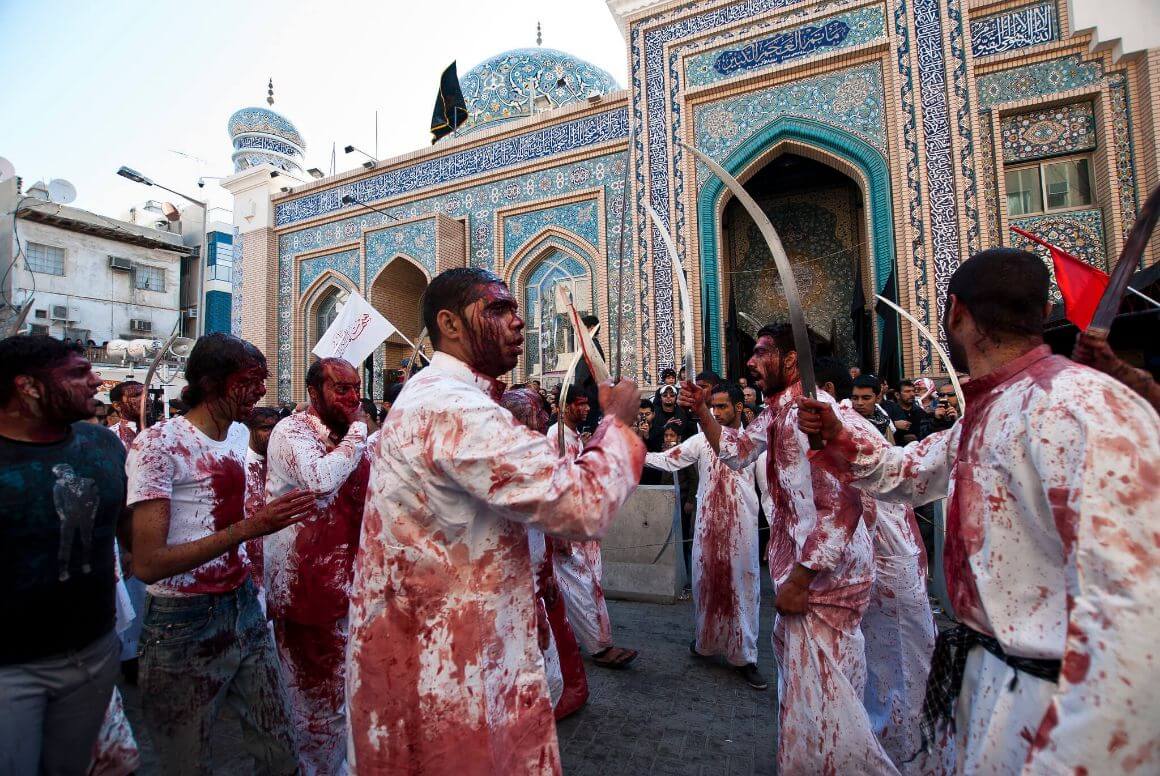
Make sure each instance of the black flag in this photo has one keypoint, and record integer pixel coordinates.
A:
(450, 108)
(888, 358)
(863, 355)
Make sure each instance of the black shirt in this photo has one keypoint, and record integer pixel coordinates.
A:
(917, 417)
(59, 506)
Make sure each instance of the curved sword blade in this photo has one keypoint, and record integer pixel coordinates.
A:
(797, 315)
(596, 364)
(683, 289)
(934, 343)
(1109, 306)
(565, 384)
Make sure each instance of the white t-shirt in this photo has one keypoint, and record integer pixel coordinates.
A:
(205, 483)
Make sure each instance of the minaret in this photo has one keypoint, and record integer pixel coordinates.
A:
(539, 35)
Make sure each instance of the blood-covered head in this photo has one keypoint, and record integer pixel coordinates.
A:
(527, 407)
(126, 397)
(575, 404)
(334, 388)
(47, 379)
(471, 314)
(226, 371)
(999, 295)
(774, 364)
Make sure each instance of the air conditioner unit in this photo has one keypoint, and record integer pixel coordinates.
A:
(119, 262)
(191, 313)
(60, 312)
(41, 314)
(141, 327)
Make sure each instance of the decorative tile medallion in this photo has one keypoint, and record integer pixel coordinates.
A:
(1063, 129)
(1079, 232)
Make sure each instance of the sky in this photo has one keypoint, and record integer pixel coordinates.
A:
(89, 86)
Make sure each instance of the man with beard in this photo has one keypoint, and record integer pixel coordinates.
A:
(822, 561)
(125, 398)
(579, 566)
(563, 663)
(205, 641)
(1051, 558)
(726, 585)
(322, 451)
(62, 495)
(910, 419)
(444, 673)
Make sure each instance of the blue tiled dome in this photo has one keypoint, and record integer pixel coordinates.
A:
(499, 89)
(262, 136)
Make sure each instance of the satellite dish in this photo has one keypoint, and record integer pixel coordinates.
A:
(182, 346)
(170, 211)
(6, 169)
(38, 190)
(61, 191)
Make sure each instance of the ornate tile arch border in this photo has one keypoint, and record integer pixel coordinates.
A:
(855, 151)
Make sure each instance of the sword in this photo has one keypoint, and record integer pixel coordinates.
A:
(683, 288)
(797, 316)
(595, 363)
(153, 370)
(942, 354)
(1129, 259)
(565, 384)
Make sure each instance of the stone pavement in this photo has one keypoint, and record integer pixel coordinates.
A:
(670, 713)
(666, 714)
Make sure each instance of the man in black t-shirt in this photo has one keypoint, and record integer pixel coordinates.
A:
(911, 422)
(62, 494)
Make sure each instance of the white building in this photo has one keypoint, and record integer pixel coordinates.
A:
(93, 278)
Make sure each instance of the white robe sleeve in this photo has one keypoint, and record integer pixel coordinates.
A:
(916, 474)
(1099, 468)
(495, 459)
(302, 459)
(685, 454)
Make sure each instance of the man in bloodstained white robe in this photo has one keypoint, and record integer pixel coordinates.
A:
(307, 567)
(821, 560)
(898, 625)
(726, 581)
(579, 565)
(1052, 561)
(444, 671)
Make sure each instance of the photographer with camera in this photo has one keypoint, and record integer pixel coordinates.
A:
(947, 410)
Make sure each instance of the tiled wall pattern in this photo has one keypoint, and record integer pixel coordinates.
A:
(1036, 134)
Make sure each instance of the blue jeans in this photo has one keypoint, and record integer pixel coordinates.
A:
(198, 652)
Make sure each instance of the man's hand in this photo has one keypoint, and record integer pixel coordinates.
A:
(692, 397)
(285, 510)
(952, 414)
(940, 412)
(902, 425)
(793, 594)
(621, 400)
(1094, 351)
(818, 417)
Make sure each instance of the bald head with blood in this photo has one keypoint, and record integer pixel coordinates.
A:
(470, 314)
(526, 407)
(334, 388)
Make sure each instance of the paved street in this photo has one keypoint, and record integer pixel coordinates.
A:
(667, 714)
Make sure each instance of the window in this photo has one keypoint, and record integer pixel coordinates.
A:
(37, 328)
(549, 341)
(327, 311)
(45, 258)
(147, 278)
(1048, 186)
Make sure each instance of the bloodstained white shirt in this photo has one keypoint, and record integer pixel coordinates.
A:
(1051, 479)
(444, 672)
(205, 483)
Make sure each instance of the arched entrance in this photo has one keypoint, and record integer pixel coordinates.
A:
(830, 191)
(818, 213)
(396, 292)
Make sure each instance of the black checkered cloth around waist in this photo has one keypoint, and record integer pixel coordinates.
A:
(947, 667)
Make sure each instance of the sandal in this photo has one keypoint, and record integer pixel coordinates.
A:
(614, 657)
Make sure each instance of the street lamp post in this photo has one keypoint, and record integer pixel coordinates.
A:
(136, 177)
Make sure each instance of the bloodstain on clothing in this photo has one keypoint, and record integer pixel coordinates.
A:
(445, 673)
(255, 500)
(312, 658)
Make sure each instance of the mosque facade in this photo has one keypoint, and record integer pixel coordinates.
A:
(886, 139)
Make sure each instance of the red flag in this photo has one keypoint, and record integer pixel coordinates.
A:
(1081, 285)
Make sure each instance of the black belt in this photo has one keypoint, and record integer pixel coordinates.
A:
(947, 667)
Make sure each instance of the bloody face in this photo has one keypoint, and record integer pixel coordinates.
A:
(723, 409)
(495, 338)
(244, 389)
(525, 406)
(766, 366)
(577, 410)
(863, 401)
(68, 391)
(130, 404)
(337, 402)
